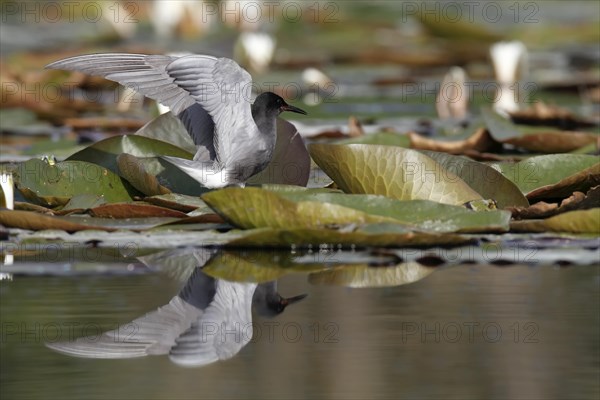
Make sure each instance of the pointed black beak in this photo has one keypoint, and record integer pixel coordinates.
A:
(287, 107)
(291, 300)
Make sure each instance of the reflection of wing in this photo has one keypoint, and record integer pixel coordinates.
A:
(209, 320)
(222, 331)
(153, 333)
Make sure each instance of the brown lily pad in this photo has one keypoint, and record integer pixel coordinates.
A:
(133, 210)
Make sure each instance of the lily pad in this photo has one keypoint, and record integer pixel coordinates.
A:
(251, 208)
(132, 169)
(391, 171)
(554, 175)
(503, 130)
(35, 221)
(179, 202)
(105, 152)
(134, 210)
(55, 184)
(424, 214)
(379, 138)
(580, 221)
(482, 178)
(364, 276)
(303, 237)
(167, 127)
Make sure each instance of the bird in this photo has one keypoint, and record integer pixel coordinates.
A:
(208, 320)
(235, 138)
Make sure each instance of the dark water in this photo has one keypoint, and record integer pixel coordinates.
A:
(466, 331)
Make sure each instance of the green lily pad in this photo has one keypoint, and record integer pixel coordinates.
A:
(54, 185)
(251, 208)
(482, 178)
(167, 127)
(84, 202)
(364, 276)
(167, 176)
(395, 172)
(553, 175)
(179, 202)
(132, 169)
(105, 152)
(302, 237)
(424, 214)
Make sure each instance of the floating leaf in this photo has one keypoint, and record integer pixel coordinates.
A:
(167, 176)
(482, 178)
(577, 201)
(290, 163)
(105, 152)
(505, 131)
(364, 276)
(554, 175)
(134, 172)
(36, 221)
(167, 127)
(479, 141)
(303, 237)
(391, 171)
(580, 221)
(250, 208)
(53, 185)
(424, 214)
(134, 210)
(177, 201)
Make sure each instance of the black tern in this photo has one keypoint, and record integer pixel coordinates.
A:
(212, 97)
(209, 320)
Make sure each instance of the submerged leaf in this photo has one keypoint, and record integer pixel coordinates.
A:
(391, 171)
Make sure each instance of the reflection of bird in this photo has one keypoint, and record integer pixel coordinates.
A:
(209, 320)
(211, 96)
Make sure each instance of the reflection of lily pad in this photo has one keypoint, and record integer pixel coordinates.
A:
(390, 171)
(244, 266)
(53, 185)
(364, 276)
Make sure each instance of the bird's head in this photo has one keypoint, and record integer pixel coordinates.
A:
(272, 104)
(269, 303)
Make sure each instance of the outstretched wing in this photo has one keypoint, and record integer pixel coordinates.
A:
(224, 90)
(148, 75)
